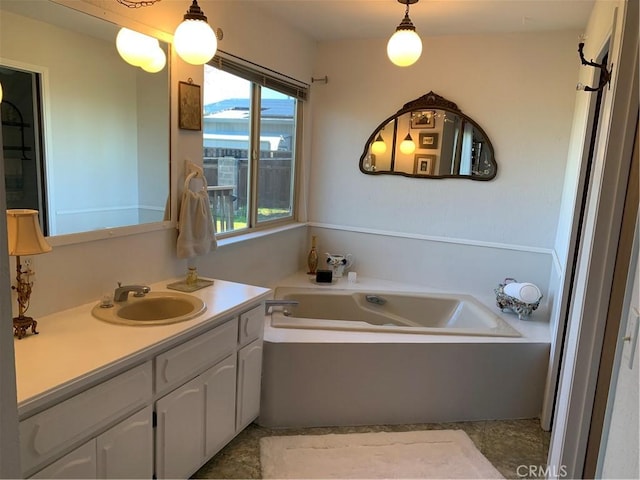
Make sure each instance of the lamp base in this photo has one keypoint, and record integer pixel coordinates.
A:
(21, 324)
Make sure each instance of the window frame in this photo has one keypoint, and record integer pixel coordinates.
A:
(260, 77)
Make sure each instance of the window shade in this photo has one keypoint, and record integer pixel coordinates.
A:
(260, 75)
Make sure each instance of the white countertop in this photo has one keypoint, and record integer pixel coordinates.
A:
(74, 349)
(533, 330)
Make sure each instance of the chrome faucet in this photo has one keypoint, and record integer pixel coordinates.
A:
(121, 293)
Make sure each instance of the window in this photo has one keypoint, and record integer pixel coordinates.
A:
(251, 121)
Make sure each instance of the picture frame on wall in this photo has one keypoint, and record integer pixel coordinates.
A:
(424, 164)
(423, 119)
(428, 140)
(189, 109)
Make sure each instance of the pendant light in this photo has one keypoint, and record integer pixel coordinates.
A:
(405, 47)
(379, 147)
(408, 146)
(140, 50)
(194, 40)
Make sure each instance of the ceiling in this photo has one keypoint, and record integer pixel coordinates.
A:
(326, 20)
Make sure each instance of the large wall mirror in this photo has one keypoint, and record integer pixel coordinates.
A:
(85, 135)
(430, 138)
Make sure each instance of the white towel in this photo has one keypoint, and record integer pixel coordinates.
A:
(197, 235)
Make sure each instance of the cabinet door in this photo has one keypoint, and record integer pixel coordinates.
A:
(249, 378)
(251, 325)
(80, 463)
(126, 450)
(220, 404)
(180, 431)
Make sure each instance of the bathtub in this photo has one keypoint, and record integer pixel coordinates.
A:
(414, 313)
(397, 358)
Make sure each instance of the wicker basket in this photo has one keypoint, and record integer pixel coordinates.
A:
(507, 303)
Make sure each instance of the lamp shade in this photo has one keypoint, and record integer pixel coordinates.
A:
(24, 234)
(379, 147)
(194, 40)
(134, 47)
(404, 47)
(407, 146)
(155, 62)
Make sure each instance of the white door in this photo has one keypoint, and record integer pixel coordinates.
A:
(619, 448)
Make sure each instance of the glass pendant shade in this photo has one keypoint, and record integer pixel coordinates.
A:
(195, 42)
(0, 92)
(407, 146)
(135, 48)
(156, 62)
(379, 147)
(404, 47)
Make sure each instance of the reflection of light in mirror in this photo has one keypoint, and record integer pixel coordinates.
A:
(135, 48)
(408, 146)
(112, 126)
(156, 62)
(379, 147)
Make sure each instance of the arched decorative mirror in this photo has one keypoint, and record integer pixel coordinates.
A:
(430, 138)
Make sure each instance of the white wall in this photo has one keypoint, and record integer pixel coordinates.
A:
(519, 87)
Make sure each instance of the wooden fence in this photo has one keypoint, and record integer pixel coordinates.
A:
(274, 180)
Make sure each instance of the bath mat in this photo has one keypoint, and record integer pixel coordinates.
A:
(417, 454)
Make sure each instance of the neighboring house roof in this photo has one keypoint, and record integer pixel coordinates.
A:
(236, 107)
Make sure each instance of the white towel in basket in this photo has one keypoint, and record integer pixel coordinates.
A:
(197, 235)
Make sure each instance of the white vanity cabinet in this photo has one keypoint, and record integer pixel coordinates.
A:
(124, 451)
(82, 419)
(193, 419)
(197, 418)
(165, 417)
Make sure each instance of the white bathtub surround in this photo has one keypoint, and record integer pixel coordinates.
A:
(444, 263)
(364, 311)
(533, 329)
(360, 378)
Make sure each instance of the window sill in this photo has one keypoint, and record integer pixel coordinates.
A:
(222, 242)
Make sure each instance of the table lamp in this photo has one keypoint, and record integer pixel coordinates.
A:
(24, 238)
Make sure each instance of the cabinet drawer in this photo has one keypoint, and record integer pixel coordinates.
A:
(50, 432)
(195, 355)
(251, 325)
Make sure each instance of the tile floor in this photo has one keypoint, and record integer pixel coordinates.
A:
(507, 444)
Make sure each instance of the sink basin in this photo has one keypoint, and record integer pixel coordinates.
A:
(155, 308)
